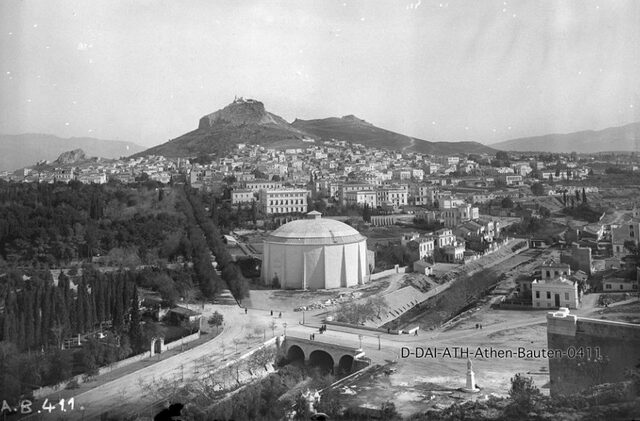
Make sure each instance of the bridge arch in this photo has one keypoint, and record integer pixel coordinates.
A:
(345, 365)
(322, 359)
(295, 353)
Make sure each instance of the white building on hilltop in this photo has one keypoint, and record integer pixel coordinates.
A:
(315, 253)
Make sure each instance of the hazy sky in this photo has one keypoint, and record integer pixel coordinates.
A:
(146, 71)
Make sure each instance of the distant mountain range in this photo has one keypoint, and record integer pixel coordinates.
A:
(623, 138)
(247, 121)
(19, 151)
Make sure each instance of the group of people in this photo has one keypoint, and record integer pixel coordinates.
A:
(478, 326)
(322, 329)
(279, 315)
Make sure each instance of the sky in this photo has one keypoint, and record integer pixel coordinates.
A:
(146, 71)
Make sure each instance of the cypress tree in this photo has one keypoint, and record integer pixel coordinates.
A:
(46, 321)
(584, 196)
(118, 305)
(80, 313)
(37, 315)
(135, 331)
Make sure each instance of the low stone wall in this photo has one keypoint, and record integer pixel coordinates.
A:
(388, 272)
(372, 329)
(181, 341)
(80, 378)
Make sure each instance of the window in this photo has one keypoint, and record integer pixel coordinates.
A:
(621, 286)
(548, 274)
(548, 295)
(538, 303)
(607, 286)
(566, 296)
(538, 295)
(548, 304)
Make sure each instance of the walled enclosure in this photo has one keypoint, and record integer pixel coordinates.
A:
(609, 349)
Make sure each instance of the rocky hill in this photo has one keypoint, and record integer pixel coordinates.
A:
(354, 129)
(623, 138)
(71, 157)
(19, 151)
(247, 121)
(242, 121)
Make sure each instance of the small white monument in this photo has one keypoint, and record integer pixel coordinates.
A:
(471, 379)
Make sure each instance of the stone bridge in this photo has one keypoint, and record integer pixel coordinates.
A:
(329, 356)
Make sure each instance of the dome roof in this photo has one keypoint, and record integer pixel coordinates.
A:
(315, 230)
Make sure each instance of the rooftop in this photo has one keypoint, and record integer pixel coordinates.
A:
(315, 230)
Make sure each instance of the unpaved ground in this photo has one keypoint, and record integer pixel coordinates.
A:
(420, 382)
(412, 385)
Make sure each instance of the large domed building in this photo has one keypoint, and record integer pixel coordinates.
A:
(315, 253)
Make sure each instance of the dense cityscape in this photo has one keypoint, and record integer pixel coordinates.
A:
(319, 210)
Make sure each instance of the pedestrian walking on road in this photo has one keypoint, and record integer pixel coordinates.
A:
(272, 312)
(280, 315)
(245, 310)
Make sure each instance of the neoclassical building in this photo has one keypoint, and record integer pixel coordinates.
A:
(315, 253)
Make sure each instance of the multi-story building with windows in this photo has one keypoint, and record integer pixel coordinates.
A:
(361, 197)
(462, 213)
(257, 185)
(283, 201)
(242, 196)
(552, 288)
(444, 237)
(554, 293)
(352, 187)
(394, 195)
(426, 246)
